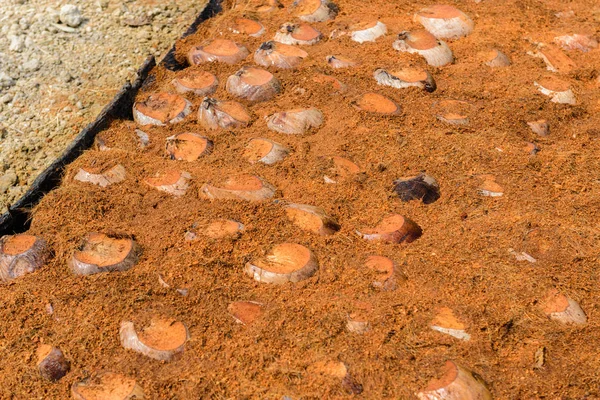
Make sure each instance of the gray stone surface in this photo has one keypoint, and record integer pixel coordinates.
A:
(60, 64)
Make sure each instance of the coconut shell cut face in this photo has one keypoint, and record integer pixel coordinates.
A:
(393, 229)
(161, 109)
(265, 151)
(385, 271)
(358, 318)
(295, 122)
(200, 83)
(446, 322)
(279, 55)
(445, 21)
(245, 312)
(367, 31)
(222, 228)
(377, 104)
(104, 178)
(20, 255)
(338, 61)
(494, 58)
(162, 339)
(107, 386)
(455, 383)
(341, 170)
(563, 309)
(258, 6)
(297, 34)
(314, 10)
(287, 262)
(453, 112)
(215, 114)
(556, 60)
(558, 90)
(248, 27)
(241, 187)
(172, 182)
(312, 219)
(218, 50)
(405, 78)
(253, 84)
(436, 52)
(103, 253)
(188, 146)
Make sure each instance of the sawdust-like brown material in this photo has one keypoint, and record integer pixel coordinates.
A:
(463, 261)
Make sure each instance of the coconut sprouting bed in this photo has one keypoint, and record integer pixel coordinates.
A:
(513, 230)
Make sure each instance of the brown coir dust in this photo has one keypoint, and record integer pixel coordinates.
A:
(463, 260)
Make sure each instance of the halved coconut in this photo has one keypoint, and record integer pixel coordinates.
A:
(215, 114)
(241, 187)
(104, 253)
(314, 10)
(342, 169)
(295, 122)
(367, 31)
(265, 151)
(445, 322)
(558, 90)
(303, 34)
(258, 6)
(286, 262)
(222, 228)
(21, 254)
(200, 83)
(163, 339)
(393, 229)
(312, 219)
(563, 309)
(188, 146)
(341, 62)
(453, 112)
(107, 386)
(540, 127)
(161, 109)
(490, 187)
(436, 52)
(51, 362)
(245, 312)
(248, 27)
(172, 181)
(406, 77)
(253, 84)
(279, 55)
(455, 383)
(104, 178)
(494, 58)
(576, 41)
(377, 104)
(556, 60)
(386, 270)
(445, 21)
(221, 50)
(358, 319)
(421, 187)
(217, 229)
(330, 81)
